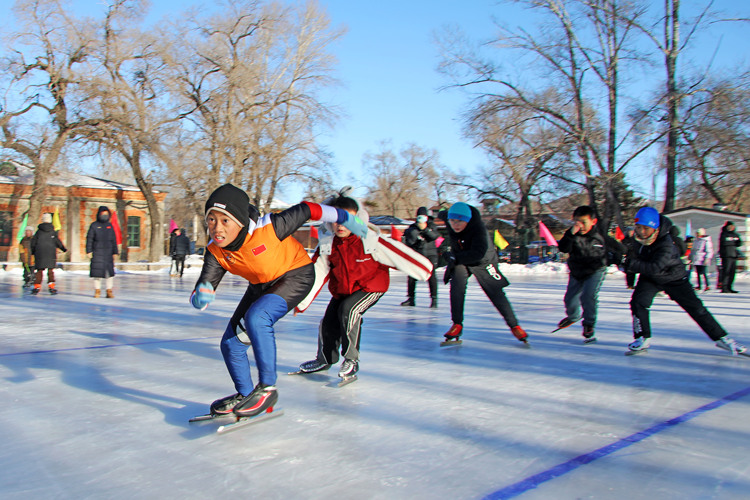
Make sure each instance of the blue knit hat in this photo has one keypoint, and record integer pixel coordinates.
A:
(460, 211)
(647, 216)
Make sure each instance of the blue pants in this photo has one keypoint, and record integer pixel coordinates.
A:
(258, 322)
(584, 294)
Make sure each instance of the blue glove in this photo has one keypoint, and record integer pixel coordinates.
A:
(353, 223)
(202, 295)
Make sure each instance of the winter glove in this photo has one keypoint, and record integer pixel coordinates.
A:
(450, 266)
(352, 223)
(202, 295)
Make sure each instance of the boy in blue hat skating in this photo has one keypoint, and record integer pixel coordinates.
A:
(656, 258)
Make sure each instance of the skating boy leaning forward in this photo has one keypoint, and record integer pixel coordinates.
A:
(657, 260)
(280, 275)
(357, 271)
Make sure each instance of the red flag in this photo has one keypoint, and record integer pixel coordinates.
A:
(313, 232)
(619, 236)
(116, 227)
(395, 233)
(544, 233)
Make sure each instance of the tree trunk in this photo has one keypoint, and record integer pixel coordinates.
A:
(671, 44)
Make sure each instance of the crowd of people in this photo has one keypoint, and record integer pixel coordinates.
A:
(354, 259)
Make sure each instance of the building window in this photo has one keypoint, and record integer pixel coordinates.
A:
(134, 231)
(6, 228)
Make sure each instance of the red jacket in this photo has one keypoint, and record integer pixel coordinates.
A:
(352, 269)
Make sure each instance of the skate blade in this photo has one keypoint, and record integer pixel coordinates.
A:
(525, 344)
(592, 340)
(635, 353)
(346, 381)
(247, 421)
(208, 418)
(450, 342)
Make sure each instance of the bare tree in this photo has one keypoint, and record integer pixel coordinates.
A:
(36, 119)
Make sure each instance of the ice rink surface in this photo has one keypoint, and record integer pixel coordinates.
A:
(97, 394)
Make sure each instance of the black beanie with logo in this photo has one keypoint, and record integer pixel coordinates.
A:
(235, 203)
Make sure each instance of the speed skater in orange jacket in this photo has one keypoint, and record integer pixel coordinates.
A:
(280, 275)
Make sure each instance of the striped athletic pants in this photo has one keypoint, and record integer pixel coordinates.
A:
(341, 326)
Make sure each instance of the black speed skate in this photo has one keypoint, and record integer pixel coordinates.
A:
(260, 400)
(224, 406)
(311, 366)
(564, 323)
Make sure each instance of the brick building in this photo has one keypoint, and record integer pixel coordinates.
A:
(77, 198)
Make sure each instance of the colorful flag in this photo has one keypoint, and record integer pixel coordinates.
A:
(544, 233)
(172, 225)
(116, 227)
(395, 233)
(500, 241)
(619, 235)
(56, 220)
(313, 232)
(689, 228)
(22, 227)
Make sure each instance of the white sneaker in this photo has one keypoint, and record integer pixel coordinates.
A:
(640, 344)
(730, 345)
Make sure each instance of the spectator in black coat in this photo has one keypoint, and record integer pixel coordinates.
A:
(101, 247)
(44, 245)
(181, 247)
(421, 237)
(729, 244)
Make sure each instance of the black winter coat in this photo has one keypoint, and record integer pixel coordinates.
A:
(660, 261)
(729, 242)
(181, 245)
(471, 247)
(423, 240)
(102, 242)
(44, 245)
(587, 252)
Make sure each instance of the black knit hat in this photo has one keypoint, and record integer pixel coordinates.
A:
(422, 211)
(231, 201)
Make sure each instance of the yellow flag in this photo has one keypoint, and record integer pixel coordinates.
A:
(56, 219)
(500, 241)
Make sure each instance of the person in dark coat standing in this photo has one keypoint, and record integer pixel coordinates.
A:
(421, 237)
(657, 260)
(180, 251)
(472, 254)
(101, 247)
(729, 243)
(44, 247)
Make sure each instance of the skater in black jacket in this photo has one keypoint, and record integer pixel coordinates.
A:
(421, 237)
(729, 245)
(44, 247)
(587, 248)
(657, 260)
(472, 254)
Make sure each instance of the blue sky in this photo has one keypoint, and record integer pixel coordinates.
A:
(390, 86)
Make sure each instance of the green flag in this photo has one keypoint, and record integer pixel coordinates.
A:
(22, 227)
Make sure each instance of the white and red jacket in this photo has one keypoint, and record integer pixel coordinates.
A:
(351, 264)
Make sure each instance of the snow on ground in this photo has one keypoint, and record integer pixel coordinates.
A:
(97, 394)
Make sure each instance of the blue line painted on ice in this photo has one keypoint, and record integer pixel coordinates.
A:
(49, 351)
(532, 482)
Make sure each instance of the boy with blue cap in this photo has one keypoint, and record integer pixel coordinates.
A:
(472, 254)
(656, 258)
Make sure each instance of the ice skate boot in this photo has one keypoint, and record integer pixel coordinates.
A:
(408, 302)
(224, 406)
(348, 371)
(452, 335)
(520, 334)
(260, 400)
(731, 345)
(35, 290)
(434, 303)
(311, 366)
(639, 345)
(52, 289)
(564, 323)
(588, 334)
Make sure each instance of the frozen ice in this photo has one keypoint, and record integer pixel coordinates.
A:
(97, 394)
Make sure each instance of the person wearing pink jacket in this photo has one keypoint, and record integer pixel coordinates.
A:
(701, 255)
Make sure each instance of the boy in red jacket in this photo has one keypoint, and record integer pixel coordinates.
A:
(357, 270)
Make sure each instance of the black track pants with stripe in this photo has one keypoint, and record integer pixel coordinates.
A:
(341, 326)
